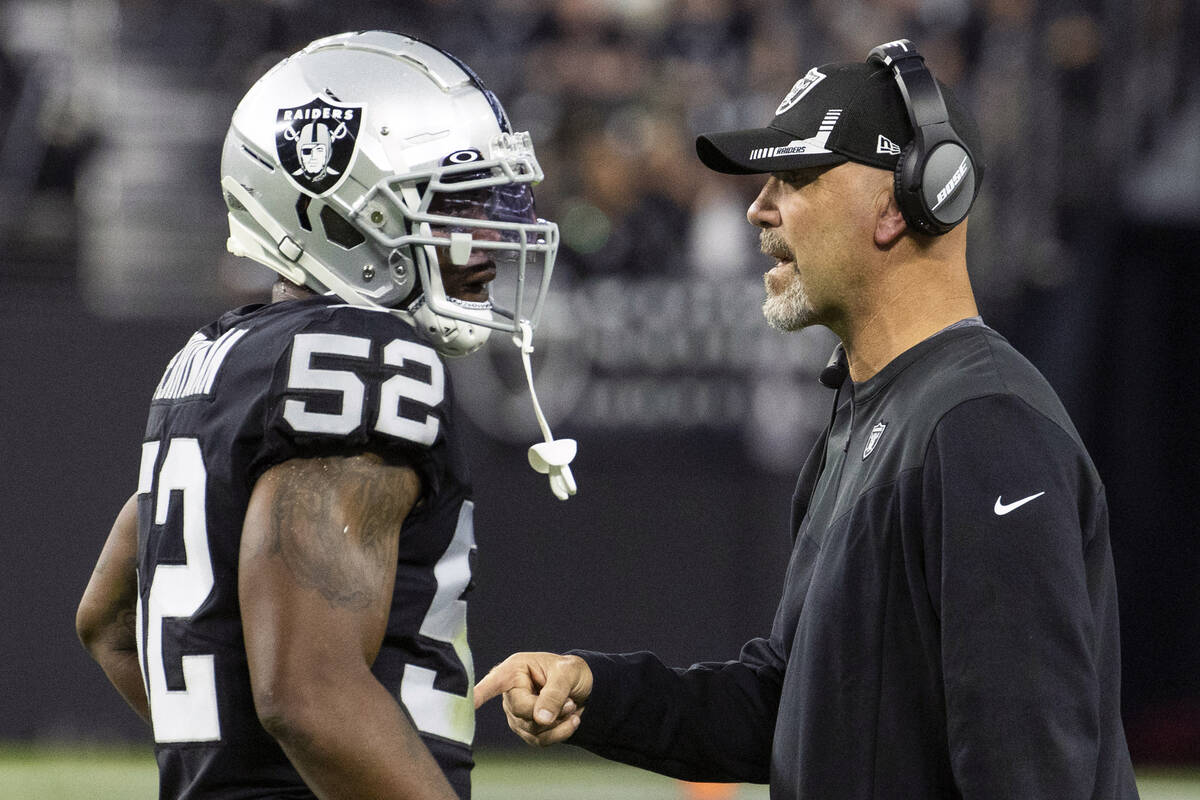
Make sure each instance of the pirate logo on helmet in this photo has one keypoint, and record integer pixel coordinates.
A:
(316, 143)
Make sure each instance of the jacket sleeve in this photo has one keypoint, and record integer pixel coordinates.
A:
(1017, 565)
(710, 722)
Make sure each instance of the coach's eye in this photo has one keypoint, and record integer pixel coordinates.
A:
(799, 178)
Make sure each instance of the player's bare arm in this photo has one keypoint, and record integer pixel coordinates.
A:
(106, 619)
(544, 694)
(318, 561)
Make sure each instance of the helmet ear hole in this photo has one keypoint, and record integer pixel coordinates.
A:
(339, 231)
(302, 202)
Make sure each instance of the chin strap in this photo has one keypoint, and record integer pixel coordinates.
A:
(553, 456)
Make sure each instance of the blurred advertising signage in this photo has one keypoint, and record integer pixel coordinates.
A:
(636, 355)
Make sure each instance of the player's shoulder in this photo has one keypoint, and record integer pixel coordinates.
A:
(319, 377)
(318, 315)
(269, 334)
(245, 349)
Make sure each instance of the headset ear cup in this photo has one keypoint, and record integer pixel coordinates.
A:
(907, 188)
(947, 185)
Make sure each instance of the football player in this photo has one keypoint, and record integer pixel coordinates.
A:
(283, 597)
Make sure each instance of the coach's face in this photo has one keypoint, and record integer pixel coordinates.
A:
(815, 223)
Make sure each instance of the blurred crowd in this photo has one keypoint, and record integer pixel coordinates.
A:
(1088, 111)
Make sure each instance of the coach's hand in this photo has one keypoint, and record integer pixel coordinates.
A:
(544, 694)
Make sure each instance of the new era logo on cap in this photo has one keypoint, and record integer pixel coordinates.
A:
(886, 146)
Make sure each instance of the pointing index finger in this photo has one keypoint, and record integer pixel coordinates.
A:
(502, 678)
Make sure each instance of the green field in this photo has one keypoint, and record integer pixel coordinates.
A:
(72, 773)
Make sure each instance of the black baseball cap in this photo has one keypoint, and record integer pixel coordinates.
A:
(844, 111)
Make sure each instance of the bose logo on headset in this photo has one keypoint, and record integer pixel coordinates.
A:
(955, 180)
(937, 165)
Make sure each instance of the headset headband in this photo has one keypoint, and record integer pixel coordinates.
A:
(922, 97)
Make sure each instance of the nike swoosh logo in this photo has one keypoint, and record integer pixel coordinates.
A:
(1003, 508)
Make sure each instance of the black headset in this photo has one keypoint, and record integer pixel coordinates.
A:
(936, 173)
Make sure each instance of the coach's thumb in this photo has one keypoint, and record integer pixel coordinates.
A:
(551, 698)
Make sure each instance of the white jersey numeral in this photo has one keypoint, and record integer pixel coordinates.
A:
(302, 375)
(398, 387)
(178, 591)
(353, 391)
(445, 714)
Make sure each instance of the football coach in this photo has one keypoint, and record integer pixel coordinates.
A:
(948, 620)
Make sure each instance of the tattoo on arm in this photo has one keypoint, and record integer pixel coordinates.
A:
(335, 522)
(120, 573)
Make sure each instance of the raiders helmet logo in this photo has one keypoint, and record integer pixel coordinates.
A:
(316, 143)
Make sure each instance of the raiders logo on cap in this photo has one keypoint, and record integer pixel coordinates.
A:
(316, 143)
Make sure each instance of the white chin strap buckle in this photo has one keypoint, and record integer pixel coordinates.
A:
(460, 248)
(553, 456)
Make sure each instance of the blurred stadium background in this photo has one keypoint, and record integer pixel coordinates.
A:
(692, 416)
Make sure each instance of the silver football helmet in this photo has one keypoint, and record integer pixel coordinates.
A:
(352, 164)
(363, 163)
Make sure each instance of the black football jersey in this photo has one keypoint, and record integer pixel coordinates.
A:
(262, 385)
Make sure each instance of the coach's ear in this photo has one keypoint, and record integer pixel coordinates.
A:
(889, 221)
